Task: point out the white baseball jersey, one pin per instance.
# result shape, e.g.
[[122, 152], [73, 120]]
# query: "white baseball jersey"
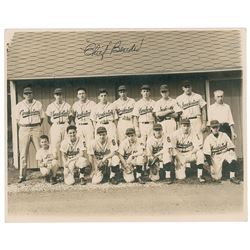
[[126, 148], [29, 113], [190, 104], [104, 112], [185, 142], [155, 145], [100, 150], [72, 149], [143, 109], [45, 155], [221, 113], [163, 105], [125, 108], [82, 111], [217, 145], [59, 113]]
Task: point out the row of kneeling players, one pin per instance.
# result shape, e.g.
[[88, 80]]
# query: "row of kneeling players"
[[175, 156]]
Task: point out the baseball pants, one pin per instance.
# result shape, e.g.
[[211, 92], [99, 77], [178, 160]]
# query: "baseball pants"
[[98, 175], [168, 126], [26, 135], [195, 125], [86, 131], [122, 126], [51, 167], [129, 176], [80, 163], [217, 161], [185, 160], [146, 130]]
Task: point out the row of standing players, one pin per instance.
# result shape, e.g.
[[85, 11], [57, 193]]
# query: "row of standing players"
[[117, 118]]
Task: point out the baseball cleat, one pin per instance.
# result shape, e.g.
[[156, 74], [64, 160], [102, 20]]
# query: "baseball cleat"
[[22, 179], [202, 180], [113, 181], [83, 181], [141, 181], [235, 180], [53, 180], [169, 181]]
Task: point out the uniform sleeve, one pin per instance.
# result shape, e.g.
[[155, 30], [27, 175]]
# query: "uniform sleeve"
[[136, 110], [202, 102], [42, 114], [91, 150], [121, 150], [17, 112], [230, 117], [63, 147], [229, 141], [197, 141], [174, 140], [38, 155], [176, 107], [93, 113], [114, 111], [49, 110], [206, 147], [156, 107]]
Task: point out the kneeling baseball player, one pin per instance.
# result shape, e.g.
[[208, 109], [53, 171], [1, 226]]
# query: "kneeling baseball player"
[[159, 154], [74, 155], [220, 155], [102, 153], [47, 160], [131, 153], [187, 150]]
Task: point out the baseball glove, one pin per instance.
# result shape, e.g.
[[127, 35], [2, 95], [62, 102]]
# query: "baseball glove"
[[128, 169], [153, 165], [102, 166]]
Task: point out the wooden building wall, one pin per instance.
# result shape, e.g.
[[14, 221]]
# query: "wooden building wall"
[[43, 91]]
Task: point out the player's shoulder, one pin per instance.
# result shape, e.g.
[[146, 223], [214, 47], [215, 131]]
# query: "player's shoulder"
[[90, 102], [131, 99], [39, 151], [196, 95], [180, 97], [152, 101]]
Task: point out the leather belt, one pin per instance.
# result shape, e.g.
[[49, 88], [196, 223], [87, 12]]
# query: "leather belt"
[[100, 122], [83, 123], [193, 117], [30, 125], [59, 123], [146, 122]]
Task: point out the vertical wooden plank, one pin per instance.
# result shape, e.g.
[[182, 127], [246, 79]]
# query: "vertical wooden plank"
[[14, 123]]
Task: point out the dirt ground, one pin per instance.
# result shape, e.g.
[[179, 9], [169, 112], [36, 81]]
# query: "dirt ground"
[[35, 200]]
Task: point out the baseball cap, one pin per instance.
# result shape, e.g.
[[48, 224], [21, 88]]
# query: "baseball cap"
[[145, 86], [58, 91], [214, 123], [157, 127], [130, 131], [185, 121], [164, 87], [27, 90], [186, 83], [122, 87], [102, 90], [101, 130]]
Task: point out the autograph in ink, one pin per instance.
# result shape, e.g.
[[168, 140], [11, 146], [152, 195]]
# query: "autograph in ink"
[[102, 50]]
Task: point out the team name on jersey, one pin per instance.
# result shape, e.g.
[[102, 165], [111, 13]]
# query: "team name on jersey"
[[72, 152], [164, 109], [100, 154], [60, 114], [104, 114], [143, 111], [190, 104], [184, 147], [125, 110], [26, 114], [83, 114], [219, 149]]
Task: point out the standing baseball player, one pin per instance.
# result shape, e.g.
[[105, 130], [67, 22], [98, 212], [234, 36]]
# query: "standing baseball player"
[[81, 113], [166, 111], [144, 118], [221, 112], [124, 107], [29, 116], [187, 149], [58, 113], [219, 151], [47, 160], [159, 153], [131, 153], [103, 156], [74, 155], [104, 114], [193, 107]]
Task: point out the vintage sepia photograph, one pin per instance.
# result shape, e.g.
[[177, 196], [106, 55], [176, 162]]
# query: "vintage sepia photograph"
[[125, 125]]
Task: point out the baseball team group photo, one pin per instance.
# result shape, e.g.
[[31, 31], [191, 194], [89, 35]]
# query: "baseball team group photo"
[[113, 118]]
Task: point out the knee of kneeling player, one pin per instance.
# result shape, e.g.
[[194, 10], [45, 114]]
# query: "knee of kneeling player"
[[140, 160], [96, 180], [54, 163], [44, 171], [82, 162], [199, 157], [115, 160]]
